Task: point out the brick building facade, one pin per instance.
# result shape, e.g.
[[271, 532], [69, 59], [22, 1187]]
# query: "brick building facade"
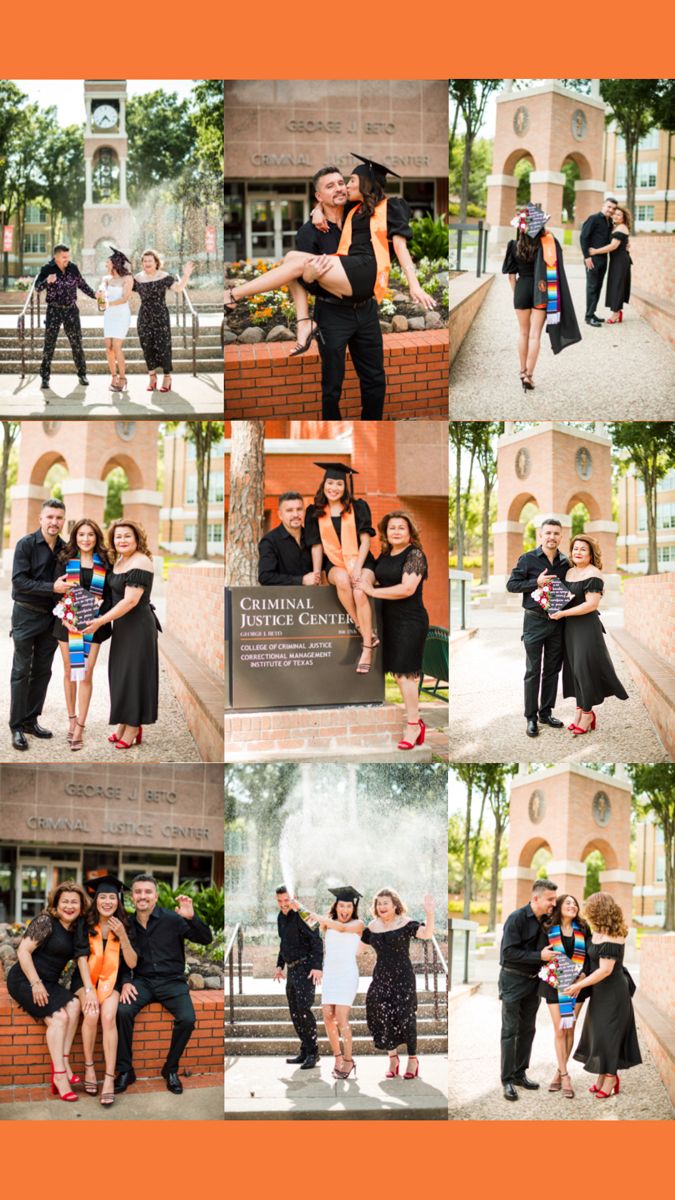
[[178, 514], [632, 539], [650, 872]]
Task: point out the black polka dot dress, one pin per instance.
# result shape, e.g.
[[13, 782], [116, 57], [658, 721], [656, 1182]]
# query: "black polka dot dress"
[[154, 327]]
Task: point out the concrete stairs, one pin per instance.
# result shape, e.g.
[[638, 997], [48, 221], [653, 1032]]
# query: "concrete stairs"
[[209, 352]]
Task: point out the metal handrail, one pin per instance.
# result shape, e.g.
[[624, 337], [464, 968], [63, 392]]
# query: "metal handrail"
[[236, 941], [21, 323], [467, 928], [438, 966], [481, 228], [30, 293], [440, 954], [194, 319]]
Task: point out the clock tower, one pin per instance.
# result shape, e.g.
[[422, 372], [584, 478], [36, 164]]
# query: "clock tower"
[[107, 215]]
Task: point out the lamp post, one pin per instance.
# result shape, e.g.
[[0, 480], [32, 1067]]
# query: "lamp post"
[[5, 255]]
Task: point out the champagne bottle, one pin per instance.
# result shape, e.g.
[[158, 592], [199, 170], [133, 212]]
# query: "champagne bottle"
[[307, 918]]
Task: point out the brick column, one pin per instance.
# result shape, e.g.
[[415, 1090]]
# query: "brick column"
[[619, 884], [84, 498], [547, 190], [516, 888], [143, 505], [26, 504], [501, 206]]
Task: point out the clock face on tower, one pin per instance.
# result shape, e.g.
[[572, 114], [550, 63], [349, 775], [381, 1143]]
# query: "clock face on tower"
[[104, 116]]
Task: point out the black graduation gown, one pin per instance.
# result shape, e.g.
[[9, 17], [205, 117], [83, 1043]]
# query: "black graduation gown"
[[566, 332]]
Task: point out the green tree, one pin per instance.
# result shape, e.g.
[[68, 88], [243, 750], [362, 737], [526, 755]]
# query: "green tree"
[[471, 97], [117, 483], [206, 116], [631, 107], [204, 436], [654, 791], [161, 137], [479, 169], [486, 456], [62, 183], [500, 804], [21, 183], [12, 102], [464, 436], [649, 446], [10, 433], [481, 778]]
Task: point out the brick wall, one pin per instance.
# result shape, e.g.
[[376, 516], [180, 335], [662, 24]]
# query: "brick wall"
[[23, 1053], [195, 612], [466, 297], [649, 612], [262, 381], [657, 971], [653, 256], [284, 733]]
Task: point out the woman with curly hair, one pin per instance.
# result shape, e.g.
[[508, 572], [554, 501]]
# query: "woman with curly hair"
[[133, 665], [618, 275], [86, 563], [400, 572], [608, 1040], [154, 324], [569, 935], [373, 224], [588, 673]]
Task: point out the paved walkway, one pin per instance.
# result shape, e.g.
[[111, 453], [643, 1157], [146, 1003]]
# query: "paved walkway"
[[621, 372], [167, 741], [475, 1091], [202, 1100], [487, 687], [190, 398], [266, 1088]]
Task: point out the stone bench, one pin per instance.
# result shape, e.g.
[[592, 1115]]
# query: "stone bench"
[[659, 1033], [655, 680]]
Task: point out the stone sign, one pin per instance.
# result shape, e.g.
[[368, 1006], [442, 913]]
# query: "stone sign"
[[537, 807]]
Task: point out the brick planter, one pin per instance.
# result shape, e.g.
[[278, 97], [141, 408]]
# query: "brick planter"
[[352, 732], [24, 1060], [262, 381]]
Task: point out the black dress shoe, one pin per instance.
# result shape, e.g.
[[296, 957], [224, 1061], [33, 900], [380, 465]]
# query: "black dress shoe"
[[44, 383], [552, 721], [311, 1061], [83, 380], [38, 731], [173, 1083], [124, 1080], [595, 322], [299, 1058], [523, 1082], [18, 740], [510, 1092], [532, 728]]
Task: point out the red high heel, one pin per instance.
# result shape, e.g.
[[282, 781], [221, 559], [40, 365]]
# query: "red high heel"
[[413, 1074], [615, 320], [71, 1078], [68, 1096], [602, 1095], [114, 738], [392, 1074], [120, 744], [152, 386], [576, 729], [419, 740]]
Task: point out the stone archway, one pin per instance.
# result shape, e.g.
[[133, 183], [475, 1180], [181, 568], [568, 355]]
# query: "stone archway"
[[571, 810], [551, 124]]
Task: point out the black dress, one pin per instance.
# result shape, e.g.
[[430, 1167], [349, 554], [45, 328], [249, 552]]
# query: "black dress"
[[154, 326], [362, 518], [391, 999], [86, 576], [548, 993], [608, 1041], [618, 276], [359, 264], [588, 673], [56, 947], [133, 666], [405, 622], [523, 295]]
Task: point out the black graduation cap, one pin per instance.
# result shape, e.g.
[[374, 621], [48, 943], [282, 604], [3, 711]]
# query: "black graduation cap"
[[375, 171], [336, 470], [105, 883], [349, 894]]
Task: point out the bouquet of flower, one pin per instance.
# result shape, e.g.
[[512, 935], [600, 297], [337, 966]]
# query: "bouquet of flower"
[[560, 973], [553, 596], [77, 608]]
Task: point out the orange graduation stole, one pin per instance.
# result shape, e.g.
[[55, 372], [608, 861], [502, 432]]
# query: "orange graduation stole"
[[342, 551], [380, 241], [103, 965]]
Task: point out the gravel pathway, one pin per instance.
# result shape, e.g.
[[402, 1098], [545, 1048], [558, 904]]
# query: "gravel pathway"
[[475, 1092], [628, 369], [488, 724]]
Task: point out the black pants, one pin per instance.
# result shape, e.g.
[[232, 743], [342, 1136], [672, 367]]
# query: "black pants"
[[34, 649], [594, 281], [543, 641], [520, 1001], [358, 329], [300, 996], [70, 319], [173, 995]]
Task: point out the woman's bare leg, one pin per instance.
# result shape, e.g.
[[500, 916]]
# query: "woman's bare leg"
[[332, 1031], [345, 1030], [334, 280], [110, 355], [561, 1051], [109, 1031], [411, 701], [85, 689], [69, 688], [118, 351], [537, 322], [365, 616], [523, 317], [338, 577]]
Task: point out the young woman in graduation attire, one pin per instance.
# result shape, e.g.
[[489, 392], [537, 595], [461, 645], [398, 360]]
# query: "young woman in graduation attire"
[[338, 530], [373, 223], [541, 296]]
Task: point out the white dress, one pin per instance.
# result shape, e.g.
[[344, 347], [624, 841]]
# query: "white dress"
[[340, 970], [116, 321]]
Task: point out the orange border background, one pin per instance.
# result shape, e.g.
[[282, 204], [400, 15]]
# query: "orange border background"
[[247, 1161]]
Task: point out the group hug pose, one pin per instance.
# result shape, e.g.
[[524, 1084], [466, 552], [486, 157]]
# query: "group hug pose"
[[571, 637], [62, 278], [548, 952], [122, 963], [115, 576], [391, 999], [343, 259], [541, 295], [333, 540]]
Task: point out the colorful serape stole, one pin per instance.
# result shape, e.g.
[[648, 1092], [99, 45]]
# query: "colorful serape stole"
[[552, 281], [80, 643], [567, 969], [380, 243]]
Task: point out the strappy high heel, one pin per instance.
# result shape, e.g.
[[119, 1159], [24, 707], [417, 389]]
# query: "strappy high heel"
[[345, 1074], [303, 347], [90, 1085], [556, 1083], [229, 301], [116, 384], [74, 1078], [107, 1098], [77, 743], [390, 1073], [166, 387], [615, 320], [419, 740], [70, 734], [120, 744], [567, 1090], [577, 730], [67, 1096], [412, 1074], [528, 382], [152, 384], [600, 1094], [361, 667]]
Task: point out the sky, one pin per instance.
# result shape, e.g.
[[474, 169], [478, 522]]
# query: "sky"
[[68, 94]]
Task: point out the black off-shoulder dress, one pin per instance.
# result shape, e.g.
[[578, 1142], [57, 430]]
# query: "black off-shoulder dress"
[[405, 622], [359, 264], [609, 1041], [391, 999], [588, 673], [133, 665], [523, 295], [56, 946], [154, 325], [362, 518], [618, 275]]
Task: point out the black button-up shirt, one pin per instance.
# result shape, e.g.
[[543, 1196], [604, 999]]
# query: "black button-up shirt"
[[595, 231], [33, 571], [522, 942], [281, 560], [160, 945], [298, 941], [527, 570], [64, 291], [313, 241]]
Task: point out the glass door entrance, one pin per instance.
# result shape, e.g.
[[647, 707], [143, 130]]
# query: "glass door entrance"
[[272, 223], [35, 881]]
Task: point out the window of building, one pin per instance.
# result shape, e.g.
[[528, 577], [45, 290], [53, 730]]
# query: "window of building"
[[216, 487], [195, 868], [163, 866], [35, 215], [235, 841], [7, 871], [189, 533], [217, 450], [664, 554], [665, 517], [620, 179], [234, 878], [660, 874], [667, 484], [216, 533], [646, 174], [645, 212], [233, 222], [35, 243], [191, 489], [659, 831]]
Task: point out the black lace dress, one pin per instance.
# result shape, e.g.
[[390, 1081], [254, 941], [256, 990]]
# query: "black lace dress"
[[405, 622], [362, 519], [523, 268], [609, 1041], [154, 326], [391, 999], [133, 665], [618, 275], [56, 946], [588, 673]]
